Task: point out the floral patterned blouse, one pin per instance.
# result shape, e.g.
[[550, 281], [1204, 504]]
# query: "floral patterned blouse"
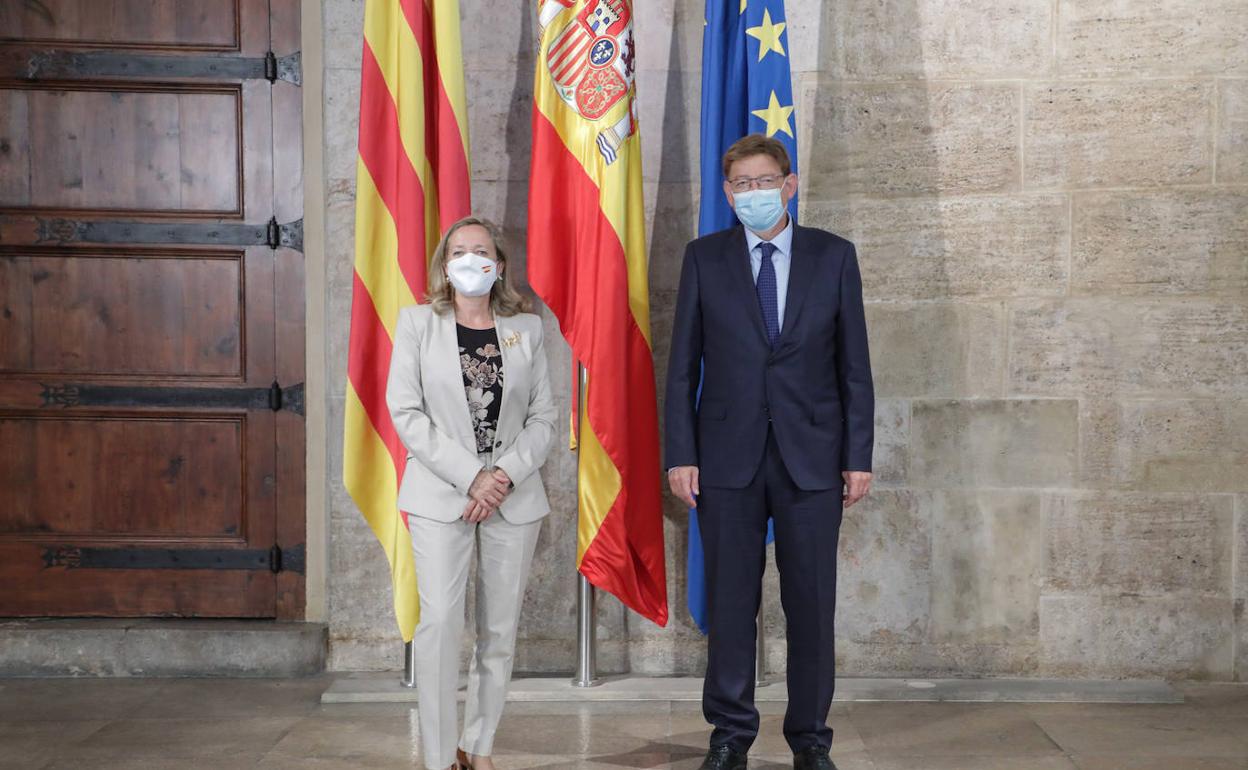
[[482, 365]]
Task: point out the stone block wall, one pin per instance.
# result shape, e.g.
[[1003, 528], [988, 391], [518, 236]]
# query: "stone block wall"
[[1050, 203]]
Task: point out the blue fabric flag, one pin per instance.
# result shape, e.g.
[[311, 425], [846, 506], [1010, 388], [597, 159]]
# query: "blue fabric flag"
[[746, 88]]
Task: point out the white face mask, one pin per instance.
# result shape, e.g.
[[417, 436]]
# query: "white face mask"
[[472, 275]]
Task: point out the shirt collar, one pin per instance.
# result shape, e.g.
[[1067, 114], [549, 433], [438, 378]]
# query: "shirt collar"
[[783, 242]]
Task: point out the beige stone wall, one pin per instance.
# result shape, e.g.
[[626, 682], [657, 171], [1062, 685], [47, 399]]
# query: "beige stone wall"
[[1050, 202]]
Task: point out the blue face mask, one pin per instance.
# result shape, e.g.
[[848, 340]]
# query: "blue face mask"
[[759, 210]]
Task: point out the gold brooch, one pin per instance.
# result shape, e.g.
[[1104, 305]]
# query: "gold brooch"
[[513, 339]]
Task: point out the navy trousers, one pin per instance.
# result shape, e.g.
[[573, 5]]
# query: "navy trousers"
[[733, 524]]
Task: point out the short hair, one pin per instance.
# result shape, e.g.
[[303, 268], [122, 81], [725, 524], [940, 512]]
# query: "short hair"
[[756, 144]]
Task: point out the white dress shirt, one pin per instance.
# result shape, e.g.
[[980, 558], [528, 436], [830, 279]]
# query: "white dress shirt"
[[781, 259]]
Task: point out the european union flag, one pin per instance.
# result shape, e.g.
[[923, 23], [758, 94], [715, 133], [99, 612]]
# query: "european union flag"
[[746, 88]]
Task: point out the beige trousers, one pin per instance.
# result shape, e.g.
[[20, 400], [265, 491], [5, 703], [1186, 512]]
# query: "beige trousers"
[[443, 555]]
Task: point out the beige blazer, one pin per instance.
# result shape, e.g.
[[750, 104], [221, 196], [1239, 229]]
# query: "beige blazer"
[[425, 394]]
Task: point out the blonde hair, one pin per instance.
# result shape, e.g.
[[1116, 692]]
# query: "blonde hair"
[[504, 299]]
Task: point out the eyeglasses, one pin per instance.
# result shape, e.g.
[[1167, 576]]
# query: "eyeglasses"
[[746, 183]]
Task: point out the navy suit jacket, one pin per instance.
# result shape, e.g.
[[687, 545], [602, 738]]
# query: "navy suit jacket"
[[814, 388]]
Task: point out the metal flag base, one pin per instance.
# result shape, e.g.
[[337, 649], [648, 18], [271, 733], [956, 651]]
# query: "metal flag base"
[[409, 666]]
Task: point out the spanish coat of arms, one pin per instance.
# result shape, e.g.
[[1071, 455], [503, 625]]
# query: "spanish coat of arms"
[[591, 61]]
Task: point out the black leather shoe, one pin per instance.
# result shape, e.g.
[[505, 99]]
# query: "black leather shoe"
[[723, 758], [814, 758]]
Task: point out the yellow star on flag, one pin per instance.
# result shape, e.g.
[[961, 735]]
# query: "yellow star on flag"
[[768, 36], [777, 117], [743, 2]]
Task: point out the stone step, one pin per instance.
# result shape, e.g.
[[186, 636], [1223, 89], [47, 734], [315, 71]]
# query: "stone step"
[[386, 687], [161, 647]]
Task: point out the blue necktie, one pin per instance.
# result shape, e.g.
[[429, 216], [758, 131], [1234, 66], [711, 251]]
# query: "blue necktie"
[[766, 288]]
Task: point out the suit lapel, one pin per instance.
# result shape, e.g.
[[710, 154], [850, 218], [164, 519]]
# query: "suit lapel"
[[801, 270], [446, 339], [502, 327], [742, 276]]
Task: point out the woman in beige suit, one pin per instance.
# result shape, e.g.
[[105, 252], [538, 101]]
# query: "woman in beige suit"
[[470, 397]]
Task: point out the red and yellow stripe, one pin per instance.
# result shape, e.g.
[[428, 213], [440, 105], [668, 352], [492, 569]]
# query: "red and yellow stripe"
[[587, 261], [411, 182]]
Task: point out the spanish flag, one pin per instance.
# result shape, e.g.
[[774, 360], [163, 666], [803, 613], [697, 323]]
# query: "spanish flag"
[[411, 182], [587, 261]]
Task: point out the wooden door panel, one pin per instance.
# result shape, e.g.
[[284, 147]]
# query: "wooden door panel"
[[123, 313], [108, 513], [80, 591], [124, 24], [151, 310], [15, 147], [124, 477], [155, 149]]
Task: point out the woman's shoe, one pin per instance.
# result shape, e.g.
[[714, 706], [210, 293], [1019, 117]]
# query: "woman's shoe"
[[461, 760]]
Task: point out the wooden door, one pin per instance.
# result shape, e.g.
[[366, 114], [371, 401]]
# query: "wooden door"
[[151, 309]]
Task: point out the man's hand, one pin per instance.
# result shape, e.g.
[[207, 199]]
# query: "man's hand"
[[487, 490], [683, 479], [857, 485]]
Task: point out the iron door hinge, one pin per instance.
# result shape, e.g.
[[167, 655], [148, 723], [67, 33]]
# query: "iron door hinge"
[[272, 233], [275, 559], [287, 560], [69, 394], [76, 65]]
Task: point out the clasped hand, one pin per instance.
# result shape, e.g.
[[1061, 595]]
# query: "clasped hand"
[[488, 491]]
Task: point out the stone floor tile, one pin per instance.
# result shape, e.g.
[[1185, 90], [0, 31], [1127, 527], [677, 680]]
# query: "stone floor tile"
[[66, 700], [948, 729], [584, 735], [242, 762], [1147, 731], [855, 760], [280, 724], [322, 763], [598, 708], [217, 698], [203, 740], [364, 741], [32, 744], [1054, 762], [544, 761], [1119, 762], [361, 710], [1222, 700]]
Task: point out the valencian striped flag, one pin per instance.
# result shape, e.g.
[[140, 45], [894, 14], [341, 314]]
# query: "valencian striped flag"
[[587, 261], [746, 88], [411, 182]]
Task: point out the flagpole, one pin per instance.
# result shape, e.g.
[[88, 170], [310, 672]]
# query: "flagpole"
[[586, 632]]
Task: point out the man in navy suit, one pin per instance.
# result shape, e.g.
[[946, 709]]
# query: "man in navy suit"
[[769, 320]]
